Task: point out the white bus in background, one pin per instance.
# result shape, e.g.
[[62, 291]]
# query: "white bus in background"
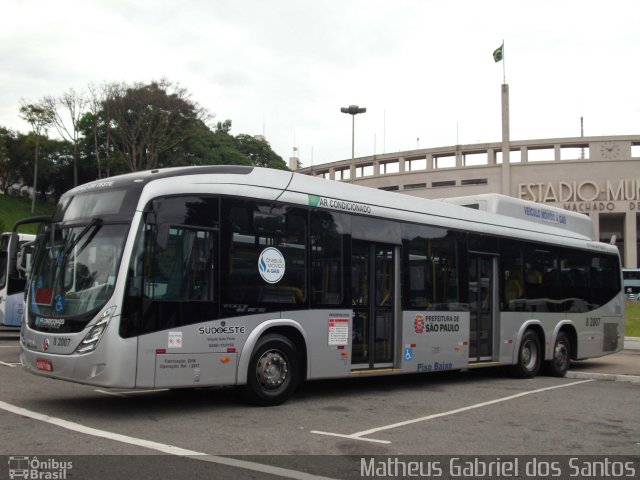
[[227, 275], [13, 277], [631, 283]]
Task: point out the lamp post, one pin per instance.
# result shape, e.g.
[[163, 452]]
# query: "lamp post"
[[353, 110]]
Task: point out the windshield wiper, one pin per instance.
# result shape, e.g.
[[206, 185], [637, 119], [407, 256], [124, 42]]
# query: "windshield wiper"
[[61, 259], [96, 222]]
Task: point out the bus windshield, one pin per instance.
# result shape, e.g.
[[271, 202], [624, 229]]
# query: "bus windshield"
[[78, 256], [76, 268]]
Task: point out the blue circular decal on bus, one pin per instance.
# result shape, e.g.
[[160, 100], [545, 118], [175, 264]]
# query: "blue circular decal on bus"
[[271, 265]]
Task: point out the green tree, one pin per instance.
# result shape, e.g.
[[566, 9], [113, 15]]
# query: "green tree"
[[8, 170], [205, 147], [219, 147], [55, 162], [223, 127], [98, 131], [40, 117], [156, 125], [145, 121], [67, 111], [259, 152]]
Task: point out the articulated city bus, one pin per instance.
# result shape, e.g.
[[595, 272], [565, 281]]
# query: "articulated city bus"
[[226, 275], [14, 265]]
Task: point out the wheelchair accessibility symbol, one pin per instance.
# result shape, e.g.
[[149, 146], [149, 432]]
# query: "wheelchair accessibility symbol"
[[408, 354], [59, 303]]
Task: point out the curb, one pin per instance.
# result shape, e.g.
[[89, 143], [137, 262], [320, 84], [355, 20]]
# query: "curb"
[[605, 376]]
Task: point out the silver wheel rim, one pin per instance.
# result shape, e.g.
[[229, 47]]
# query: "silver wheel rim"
[[529, 355], [272, 369]]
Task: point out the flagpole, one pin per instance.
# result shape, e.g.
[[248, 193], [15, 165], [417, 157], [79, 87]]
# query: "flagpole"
[[504, 68]]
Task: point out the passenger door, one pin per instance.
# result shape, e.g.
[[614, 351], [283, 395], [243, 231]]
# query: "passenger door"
[[373, 298], [482, 302]]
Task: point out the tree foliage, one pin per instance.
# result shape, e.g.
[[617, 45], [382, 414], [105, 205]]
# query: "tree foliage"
[[40, 116], [66, 112], [259, 152], [117, 128], [147, 120]]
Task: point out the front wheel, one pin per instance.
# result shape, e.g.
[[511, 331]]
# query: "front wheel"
[[529, 356], [559, 364], [274, 371]]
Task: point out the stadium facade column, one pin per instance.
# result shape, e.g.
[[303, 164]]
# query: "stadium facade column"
[[630, 239]]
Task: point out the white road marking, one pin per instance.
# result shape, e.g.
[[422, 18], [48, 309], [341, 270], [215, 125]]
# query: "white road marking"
[[352, 436], [13, 365], [160, 447], [360, 435]]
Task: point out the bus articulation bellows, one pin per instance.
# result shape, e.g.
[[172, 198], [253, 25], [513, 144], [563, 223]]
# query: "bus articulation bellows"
[[226, 275]]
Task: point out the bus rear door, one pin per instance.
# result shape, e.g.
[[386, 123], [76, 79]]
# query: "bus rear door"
[[373, 286]]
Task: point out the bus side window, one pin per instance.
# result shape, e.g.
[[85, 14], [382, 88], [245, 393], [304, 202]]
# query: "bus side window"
[[431, 268], [249, 228], [329, 237]]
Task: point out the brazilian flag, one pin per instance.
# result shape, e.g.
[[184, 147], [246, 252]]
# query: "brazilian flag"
[[498, 53]]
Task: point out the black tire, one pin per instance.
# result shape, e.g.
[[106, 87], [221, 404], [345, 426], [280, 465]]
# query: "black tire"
[[274, 371], [561, 361], [529, 356]]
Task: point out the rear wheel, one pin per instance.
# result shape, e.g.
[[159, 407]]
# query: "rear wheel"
[[529, 356], [559, 364], [274, 372]]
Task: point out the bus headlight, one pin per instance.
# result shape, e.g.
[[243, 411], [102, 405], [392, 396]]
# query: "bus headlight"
[[92, 338]]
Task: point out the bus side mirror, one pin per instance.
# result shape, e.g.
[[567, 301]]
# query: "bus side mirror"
[[16, 280], [12, 255], [12, 248], [24, 259]]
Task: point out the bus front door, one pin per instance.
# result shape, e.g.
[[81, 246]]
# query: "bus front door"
[[372, 287], [482, 303]]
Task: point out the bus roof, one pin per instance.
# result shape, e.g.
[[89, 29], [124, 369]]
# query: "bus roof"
[[441, 213], [527, 210], [286, 186]]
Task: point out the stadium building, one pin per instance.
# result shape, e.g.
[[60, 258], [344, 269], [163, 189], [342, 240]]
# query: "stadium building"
[[596, 176]]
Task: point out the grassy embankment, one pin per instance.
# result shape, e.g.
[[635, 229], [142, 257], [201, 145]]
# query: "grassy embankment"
[[13, 209], [632, 319]]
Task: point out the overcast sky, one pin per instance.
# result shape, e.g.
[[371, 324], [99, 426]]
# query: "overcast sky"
[[423, 69]]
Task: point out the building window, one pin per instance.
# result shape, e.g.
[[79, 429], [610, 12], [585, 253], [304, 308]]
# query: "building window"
[[445, 161], [515, 156], [472, 159], [364, 171], [474, 181], [343, 174], [541, 154], [413, 186], [417, 164], [389, 167], [446, 183]]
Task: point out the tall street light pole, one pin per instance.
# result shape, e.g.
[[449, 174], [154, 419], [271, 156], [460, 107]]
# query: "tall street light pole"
[[353, 110]]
